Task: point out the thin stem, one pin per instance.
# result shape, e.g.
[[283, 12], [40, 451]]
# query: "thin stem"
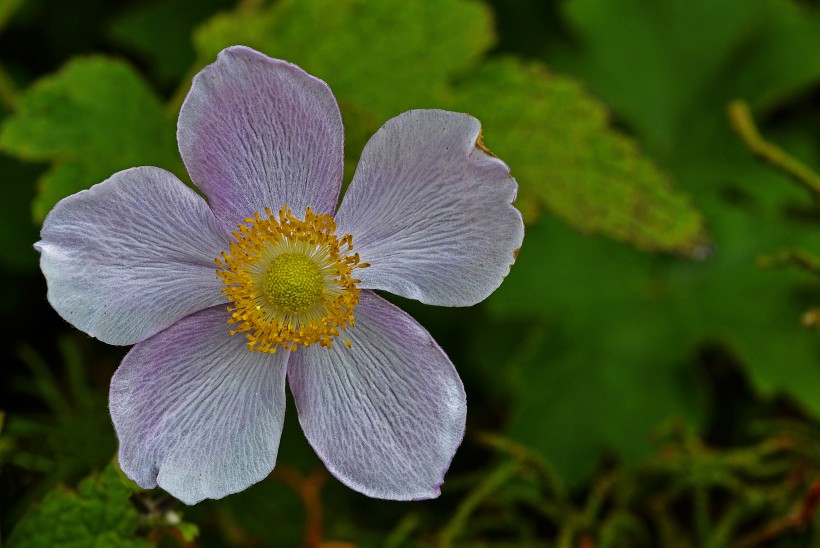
[[703, 526], [402, 530], [797, 519], [741, 119], [308, 488], [526, 456], [792, 257], [483, 490]]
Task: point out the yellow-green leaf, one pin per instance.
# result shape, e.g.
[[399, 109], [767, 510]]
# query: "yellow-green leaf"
[[566, 157], [94, 117], [99, 513]]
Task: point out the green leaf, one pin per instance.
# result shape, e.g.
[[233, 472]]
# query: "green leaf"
[[389, 56], [623, 330], [99, 513], [609, 363], [776, 67], [669, 84], [93, 118], [7, 10], [672, 91], [561, 149], [754, 312]]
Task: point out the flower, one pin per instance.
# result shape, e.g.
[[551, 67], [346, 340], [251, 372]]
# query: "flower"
[[226, 299]]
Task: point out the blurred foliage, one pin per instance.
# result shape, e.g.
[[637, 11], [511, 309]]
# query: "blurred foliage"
[[98, 514], [159, 33], [93, 118], [648, 373]]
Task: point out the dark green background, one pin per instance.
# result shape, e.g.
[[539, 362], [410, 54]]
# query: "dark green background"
[[639, 379]]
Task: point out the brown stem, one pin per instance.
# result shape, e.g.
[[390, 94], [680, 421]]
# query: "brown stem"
[[741, 119], [308, 488], [796, 520]]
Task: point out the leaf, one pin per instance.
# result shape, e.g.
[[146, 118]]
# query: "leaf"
[[623, 330], [93, 118], [99, 513], [557, 140], [610, 311], [7, 10], [671, 86], [776, 67], [609, 363], [388, 56], [76, 435], [755, 312]]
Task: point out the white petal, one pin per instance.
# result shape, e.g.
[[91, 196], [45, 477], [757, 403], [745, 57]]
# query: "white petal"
[[431, 212], [131, 256], [257, 132], [387, 415], [197, 413]]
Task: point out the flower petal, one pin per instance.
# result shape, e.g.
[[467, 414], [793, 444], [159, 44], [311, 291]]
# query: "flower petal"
[[197, 413], [132, 255], [430, 211], [387, 415], [257, 132]]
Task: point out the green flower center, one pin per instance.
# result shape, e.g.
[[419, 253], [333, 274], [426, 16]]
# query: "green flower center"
[[293, 283]]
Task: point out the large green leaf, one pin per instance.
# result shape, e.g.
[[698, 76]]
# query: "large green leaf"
[[390, 56], [755, 312], [91, 119], [778, 60], [669, 66], [99, 513], [623, 330], [566, 157], [396, 55], [609, 364]]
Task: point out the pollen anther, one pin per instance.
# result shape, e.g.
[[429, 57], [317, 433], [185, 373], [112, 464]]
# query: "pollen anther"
[[289, 281]]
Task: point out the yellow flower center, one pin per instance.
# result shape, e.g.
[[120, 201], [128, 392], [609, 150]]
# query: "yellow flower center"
[[293, 282], [289, 281]]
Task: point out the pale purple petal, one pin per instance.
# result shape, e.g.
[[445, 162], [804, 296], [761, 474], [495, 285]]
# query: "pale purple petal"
[[197, 413], [257, 132], [387, 415], [132, 255], [431, 212]]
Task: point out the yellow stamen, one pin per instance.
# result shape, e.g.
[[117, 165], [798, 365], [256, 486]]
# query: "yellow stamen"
[[289, 281]]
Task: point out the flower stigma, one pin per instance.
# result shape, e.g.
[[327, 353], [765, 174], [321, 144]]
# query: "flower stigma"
[[289, 281], [293, 282]]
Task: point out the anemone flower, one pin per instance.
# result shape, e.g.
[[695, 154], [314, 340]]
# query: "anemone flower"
[[227, 298]]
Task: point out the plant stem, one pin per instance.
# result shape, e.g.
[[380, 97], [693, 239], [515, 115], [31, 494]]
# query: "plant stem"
[[741, 119]]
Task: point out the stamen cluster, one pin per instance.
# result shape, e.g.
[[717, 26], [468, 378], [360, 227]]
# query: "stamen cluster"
[[270, 324]]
